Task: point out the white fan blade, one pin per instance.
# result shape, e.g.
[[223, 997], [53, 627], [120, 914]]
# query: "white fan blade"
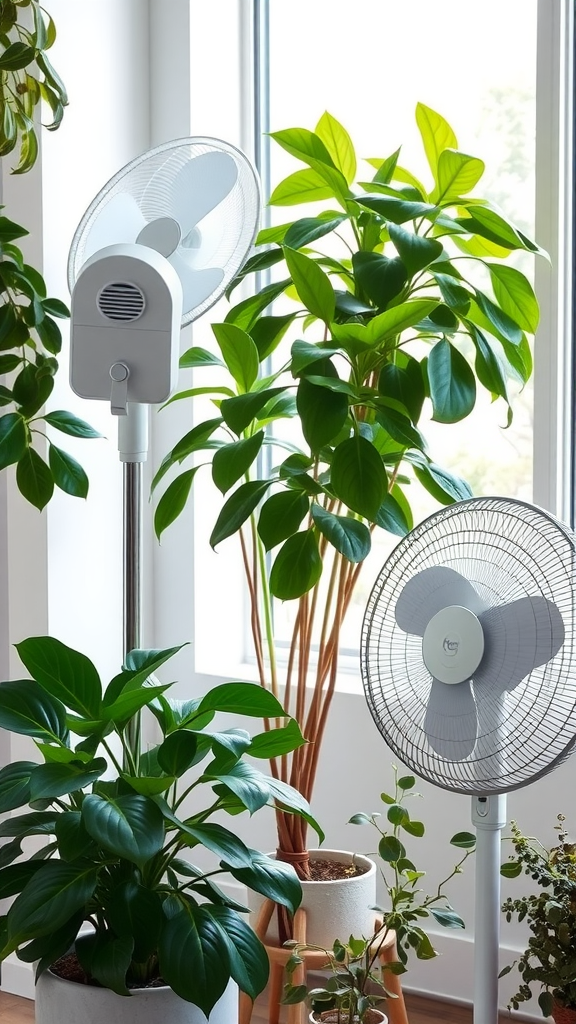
[[518, 637], [197, 285], [428, 592], [200, 186], [119, 220], [451, 724]]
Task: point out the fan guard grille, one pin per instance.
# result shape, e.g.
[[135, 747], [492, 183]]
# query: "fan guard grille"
[[508, 550]]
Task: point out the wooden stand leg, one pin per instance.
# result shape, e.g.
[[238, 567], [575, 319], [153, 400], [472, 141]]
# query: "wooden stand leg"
[[395, 1008]]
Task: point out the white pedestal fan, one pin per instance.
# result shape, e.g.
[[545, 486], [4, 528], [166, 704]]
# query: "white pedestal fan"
[[155, 249], [469, 669]]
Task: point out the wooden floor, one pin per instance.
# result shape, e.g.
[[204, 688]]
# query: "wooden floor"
[[14, 1010]]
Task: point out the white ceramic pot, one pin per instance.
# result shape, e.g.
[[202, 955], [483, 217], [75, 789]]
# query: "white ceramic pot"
[[336, 909], [66, 1002]]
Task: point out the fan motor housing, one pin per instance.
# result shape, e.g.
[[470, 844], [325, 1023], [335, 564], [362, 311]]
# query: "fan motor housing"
[[127, 309]]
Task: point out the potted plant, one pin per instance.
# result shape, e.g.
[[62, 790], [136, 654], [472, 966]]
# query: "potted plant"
[[387, 320], [550, 912], [30, 339], [119, 842], [357, 982]]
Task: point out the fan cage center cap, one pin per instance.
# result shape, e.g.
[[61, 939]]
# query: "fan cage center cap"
[[453, 644]]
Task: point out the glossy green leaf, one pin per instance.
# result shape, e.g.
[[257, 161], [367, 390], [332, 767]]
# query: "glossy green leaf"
[[488, 366], [268, 331], [350, 537], [177, 753], [312, 284], [297, 566], [275, 742], [64, 673], [233, 460], [73, 839], [173, 501], [106, 957], [453, 293], [391, 849], [397, 211], [237, 509], [50, 898], [404, 384], [393, 321], [464, 840], [447, 917], [12, 439], [515, 295], [339, 145], [239, 412], [305, 186], [129, 826], [452, 383], [190, 937], [416, 251], [52, 780], [67, 423], [511, 869], [456, 175], [246, 313], [136, 911], [239, 352], [500, 320], [194, 439], [322, 412], [436, 134], [358, 476], [129, 702], [281, 516], [67, 473], [50, 947], [309, 229], [445, 487], [15, 784], [391, 517], [36, 823], [15, 877], [248, 699], [195, 356], [27, 709], [34, 479], [481, 220], [380, 277], [16, 56], [399, 428]]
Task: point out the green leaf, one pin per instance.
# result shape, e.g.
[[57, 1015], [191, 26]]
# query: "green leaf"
[[16, 56], [239, 352], [249, 966], [34, 479], [70, 424], [358, 476], [391, 517], [397, 815], [414, 828], [391, 849], [15, 784], [399, 428], [504, 325], [267, 333], [220, 841], [511, 869], [416, 251], [191, 937], [52, 780], [192, 441], [245, 313], [452, 383], [237, 509], [488, 366], [546, 1003], [68, 474], [393, 321], [73, 839], [196, 356], [280, 516], [9, 230], [178, 752], [271, 878], [14, 878], [106, 957], [312, 284], [350, 537], [488, 224], [239, 412], [456, 175], [275, 742], [297, 566], [322, 412], [233, 460], [136, 912], [64, 673], [13, 439], [436, 133], [248, 699], [380, 277], [305, 186], [515, 295], [25, 708], [51, 897], [404, 384], [454, 295], [442, 485], [406, 782], [309, 229], [173, 501], [129, 826], [339, 145], [447, 918], [129, 702], [464, 840], [37, 823]]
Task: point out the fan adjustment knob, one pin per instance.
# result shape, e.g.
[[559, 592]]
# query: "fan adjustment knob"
[[119, 374], [453, 644]]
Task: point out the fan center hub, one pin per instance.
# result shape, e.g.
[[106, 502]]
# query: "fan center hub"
[[453, 644]]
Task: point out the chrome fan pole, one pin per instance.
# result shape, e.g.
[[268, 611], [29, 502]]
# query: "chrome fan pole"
[[489, 818]]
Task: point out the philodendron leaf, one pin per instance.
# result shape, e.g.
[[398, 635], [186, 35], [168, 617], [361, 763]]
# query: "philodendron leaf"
[[307, 230], [436, 133], [452, 383], [297, 566], [312, 284], [305, 186], [233, 460], [391, 517], [442, 485], [52, 780], [106, 957], [16, 876], [239, 412], [358, 476], [12, 439], [73, 839], [350, 537], [136, 912], [64, 673], [50, 898], [177, 753], [380, 277], [271, 878], [220, 841], [322, 412], [70, 424], [457, 174], [67, 473], [15, 784], [339, 145], [34, 479], [281, 516], [239, 352], [237, 509], [248, 699], [415, 251], [515, 295], [27, 709], [247, 956], [173, 501], [129, 826], [191, 937], [275, 742]]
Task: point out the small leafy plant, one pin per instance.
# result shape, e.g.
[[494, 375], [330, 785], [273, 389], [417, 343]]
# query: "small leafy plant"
[[356, 984], [550, 958], [118, 832]]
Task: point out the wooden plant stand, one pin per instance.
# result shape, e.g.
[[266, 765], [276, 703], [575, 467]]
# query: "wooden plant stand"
[[312, 960]]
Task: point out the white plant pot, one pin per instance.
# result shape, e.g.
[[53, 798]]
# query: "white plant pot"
[[59, 1001], [335, 909]]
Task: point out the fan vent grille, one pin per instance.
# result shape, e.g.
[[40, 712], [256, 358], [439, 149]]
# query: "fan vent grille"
[[121, 300]]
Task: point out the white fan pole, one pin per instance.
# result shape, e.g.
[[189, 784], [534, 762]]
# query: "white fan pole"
[[489, 818]]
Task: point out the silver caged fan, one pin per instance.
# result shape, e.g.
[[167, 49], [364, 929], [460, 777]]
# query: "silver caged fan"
[[155, 249], [469, 670]]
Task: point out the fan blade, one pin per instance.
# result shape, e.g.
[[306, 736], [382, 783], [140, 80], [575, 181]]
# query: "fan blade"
[[450, 723], [200, 186], [518, 638], [428, 592], [119, 220], [197, 285]]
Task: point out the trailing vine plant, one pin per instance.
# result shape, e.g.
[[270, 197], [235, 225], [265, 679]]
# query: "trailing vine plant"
[[30, 338]]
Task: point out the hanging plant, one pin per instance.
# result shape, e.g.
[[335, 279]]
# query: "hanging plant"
[[30, 338]]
